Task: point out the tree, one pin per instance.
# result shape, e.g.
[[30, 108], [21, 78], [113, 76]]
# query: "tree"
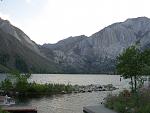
[[6, 85], [21, 83], [132, 64]]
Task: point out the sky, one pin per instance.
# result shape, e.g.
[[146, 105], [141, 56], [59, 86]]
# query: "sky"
[[48, 21]]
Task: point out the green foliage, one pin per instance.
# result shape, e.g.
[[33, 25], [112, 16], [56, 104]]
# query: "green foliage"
[[118, 106], [48, 88], [6, 85], [1, 111], [116, 103], [144, 109], [133, 63], [21, 84], [145, 57], [23, 87], [130, 62], [125, 102]]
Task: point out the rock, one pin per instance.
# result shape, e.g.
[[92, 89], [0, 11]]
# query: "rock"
[[97, 53]]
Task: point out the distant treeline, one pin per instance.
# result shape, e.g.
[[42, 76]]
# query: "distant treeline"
[[16, 62]]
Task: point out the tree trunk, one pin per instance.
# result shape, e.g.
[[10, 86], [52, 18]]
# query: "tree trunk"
[[135, 84], [132, 84]]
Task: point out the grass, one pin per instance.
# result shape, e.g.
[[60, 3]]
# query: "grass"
[[22, 87], [127, 102], [34, 88], [1, 111]]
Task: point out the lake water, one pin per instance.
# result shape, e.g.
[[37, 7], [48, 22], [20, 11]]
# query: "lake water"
[[72, 103], [80, 79]]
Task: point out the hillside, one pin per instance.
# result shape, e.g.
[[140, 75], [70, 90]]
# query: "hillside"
[[97, 53], [17, 51], [80, 54]]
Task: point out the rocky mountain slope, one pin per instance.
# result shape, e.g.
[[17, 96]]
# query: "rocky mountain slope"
[[80, 54], [17, 51], [97, 53]]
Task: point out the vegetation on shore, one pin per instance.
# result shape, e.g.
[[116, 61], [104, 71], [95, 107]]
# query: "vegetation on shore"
[[2, 111], [21, 86], [133, 64], [127, 102]]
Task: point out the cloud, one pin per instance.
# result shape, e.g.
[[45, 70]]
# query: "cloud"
[[63, 18], [4, 16], [28, 1]]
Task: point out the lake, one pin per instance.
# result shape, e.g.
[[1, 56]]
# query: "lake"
[[72, 103], [80, 79]]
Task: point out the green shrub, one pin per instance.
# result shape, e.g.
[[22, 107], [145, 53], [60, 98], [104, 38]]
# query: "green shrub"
[[6, 85], [144, 109], [120, 107], [127, 102], [1, 111], [23, 87]]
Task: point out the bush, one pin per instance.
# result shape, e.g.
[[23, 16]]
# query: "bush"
[[6, 85], [23, 87], [144, 109], [127, 102], [48, 88], [1, 111], [120, 107]]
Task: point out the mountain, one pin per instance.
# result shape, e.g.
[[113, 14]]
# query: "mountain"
[[17, 51], [97, 53], [80, 54]]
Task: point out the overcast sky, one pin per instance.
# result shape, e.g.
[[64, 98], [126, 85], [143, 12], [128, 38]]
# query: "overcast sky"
[[48, 21]]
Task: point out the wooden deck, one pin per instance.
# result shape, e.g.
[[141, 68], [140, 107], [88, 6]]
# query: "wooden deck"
[[20, 109], [97, 109]]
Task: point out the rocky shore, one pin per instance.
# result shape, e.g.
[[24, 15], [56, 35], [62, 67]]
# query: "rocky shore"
[[92, 87]]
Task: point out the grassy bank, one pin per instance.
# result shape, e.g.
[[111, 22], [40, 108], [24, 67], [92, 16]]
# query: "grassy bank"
[[127, 102], [47, 89], [25, 88], [1, 111], [21, 86]]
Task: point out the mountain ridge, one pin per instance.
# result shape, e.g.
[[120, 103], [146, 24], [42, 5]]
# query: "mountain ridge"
[[97, 53], [80, 54], [22, 53]]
